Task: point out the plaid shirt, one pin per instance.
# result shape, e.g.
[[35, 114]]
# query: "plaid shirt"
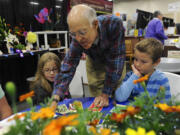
[[109, 50]]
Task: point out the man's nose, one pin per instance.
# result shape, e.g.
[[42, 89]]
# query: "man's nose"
[[78, 38]]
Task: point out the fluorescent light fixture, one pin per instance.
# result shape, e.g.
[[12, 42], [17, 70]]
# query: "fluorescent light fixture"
[[58, 6], [60, 0], [34, 3], [110, 0]]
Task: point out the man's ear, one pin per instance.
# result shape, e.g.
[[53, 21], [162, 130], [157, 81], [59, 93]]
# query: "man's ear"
[[157, 62], [95, 24]]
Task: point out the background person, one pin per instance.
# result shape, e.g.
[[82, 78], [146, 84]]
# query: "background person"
[[147, 54], [102, 39], [5, 109], [155, 28]]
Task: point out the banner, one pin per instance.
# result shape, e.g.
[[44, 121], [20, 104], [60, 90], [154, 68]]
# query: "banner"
[[98, 5]]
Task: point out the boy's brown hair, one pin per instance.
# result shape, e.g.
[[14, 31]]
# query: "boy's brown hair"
[[151, 46]]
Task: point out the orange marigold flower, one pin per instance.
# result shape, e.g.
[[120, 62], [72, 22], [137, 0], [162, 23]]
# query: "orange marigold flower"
[[115, 133], [177, 108], [55, 126], [17, 116], [94, 122], [168, 109], [144, 78], [132, 110], [163, 107], [42, 113], [23, 97], [118, 117], [93, 130], [105, 131]]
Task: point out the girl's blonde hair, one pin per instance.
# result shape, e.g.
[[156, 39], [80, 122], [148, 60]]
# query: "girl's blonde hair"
[[39, 76]]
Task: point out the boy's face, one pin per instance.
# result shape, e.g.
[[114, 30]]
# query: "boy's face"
[[143, 62]]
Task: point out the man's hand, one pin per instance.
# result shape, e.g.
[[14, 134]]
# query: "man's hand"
[[102, 100], [54, 102]]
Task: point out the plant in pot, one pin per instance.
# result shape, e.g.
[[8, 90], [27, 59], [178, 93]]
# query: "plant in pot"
[[4, 30]]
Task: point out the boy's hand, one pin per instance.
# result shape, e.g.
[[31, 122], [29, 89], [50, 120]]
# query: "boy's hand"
[[135, 71]]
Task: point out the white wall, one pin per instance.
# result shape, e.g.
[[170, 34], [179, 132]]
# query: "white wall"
[[129, 7]]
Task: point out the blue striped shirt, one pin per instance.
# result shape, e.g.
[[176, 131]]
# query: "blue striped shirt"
[[128, 88]]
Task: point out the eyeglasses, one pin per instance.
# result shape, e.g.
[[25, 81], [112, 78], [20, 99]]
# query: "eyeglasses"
[[54, 70], [80, 33]]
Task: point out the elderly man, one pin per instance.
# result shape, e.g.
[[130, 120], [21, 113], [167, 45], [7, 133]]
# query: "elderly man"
[[102, 39], [155, 27]]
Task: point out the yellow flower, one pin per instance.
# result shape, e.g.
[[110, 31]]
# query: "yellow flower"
[[31, 37], [42, 114], [151, 133], [176, 40], [140, 131], [105, 131], [130, 131], [93, 130], [115, 133]]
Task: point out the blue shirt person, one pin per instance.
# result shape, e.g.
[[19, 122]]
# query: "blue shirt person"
[[155, 28]]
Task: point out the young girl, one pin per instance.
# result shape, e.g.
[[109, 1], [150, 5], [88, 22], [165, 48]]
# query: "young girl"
[[48, 67]]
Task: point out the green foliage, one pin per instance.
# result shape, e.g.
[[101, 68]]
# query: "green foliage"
[[27, 126], [4, 30], [148, 117], [20, 46]]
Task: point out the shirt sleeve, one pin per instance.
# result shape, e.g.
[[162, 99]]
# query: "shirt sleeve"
[[165, 83], [160, 30], [67, 71], [125, 89], [115, 57]]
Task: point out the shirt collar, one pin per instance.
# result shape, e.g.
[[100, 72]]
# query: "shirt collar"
[[96, 40]]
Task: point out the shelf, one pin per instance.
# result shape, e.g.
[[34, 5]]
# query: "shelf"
[[46, 33]]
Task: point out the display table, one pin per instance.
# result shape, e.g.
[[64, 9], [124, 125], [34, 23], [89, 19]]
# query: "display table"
[[87, 101], [169, 65]]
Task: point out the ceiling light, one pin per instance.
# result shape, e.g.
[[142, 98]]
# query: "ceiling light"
[[58, 6], [34, 3]]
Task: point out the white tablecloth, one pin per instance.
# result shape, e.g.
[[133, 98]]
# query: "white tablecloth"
[[169, 65]]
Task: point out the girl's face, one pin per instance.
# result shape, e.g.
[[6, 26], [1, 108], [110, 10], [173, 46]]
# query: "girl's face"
[[50, 70], [143, 62]]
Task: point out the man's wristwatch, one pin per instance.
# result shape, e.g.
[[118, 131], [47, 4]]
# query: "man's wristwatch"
[[55, 100]]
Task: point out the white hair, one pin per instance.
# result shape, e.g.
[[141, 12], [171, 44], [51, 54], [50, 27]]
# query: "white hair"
[[89, 13]]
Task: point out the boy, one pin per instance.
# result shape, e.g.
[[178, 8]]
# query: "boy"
[[147, 54]]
